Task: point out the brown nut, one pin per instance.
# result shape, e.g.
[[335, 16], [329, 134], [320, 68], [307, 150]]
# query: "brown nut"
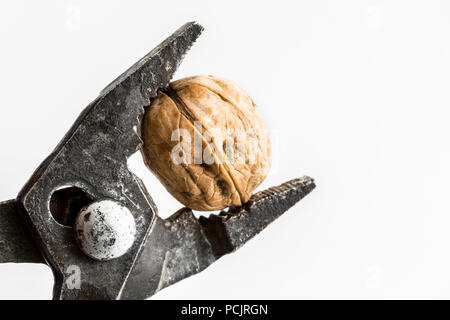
[[205, 141]]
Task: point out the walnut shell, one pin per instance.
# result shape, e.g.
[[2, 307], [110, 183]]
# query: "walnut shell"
[[205, 141]]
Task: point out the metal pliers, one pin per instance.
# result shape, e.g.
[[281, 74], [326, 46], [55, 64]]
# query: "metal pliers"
[[90, 163]]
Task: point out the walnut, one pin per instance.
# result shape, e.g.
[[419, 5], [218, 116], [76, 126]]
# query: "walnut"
[[205, 141]]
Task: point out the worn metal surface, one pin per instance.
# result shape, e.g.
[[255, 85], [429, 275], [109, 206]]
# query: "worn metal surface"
[[93, 157], [182, 246], [16, 244], [90, 164]]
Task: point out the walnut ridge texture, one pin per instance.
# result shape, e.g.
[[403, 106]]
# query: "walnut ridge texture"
[[205, 141]]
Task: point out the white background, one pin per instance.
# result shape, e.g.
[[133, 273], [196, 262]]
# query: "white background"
[[355, 94]]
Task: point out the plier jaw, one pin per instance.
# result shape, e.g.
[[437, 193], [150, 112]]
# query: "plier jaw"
[[90, 164]]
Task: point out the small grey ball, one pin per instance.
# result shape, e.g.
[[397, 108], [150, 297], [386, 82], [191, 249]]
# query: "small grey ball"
[[105, 230]]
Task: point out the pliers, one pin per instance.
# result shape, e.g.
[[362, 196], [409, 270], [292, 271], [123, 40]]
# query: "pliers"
[[90, 164]]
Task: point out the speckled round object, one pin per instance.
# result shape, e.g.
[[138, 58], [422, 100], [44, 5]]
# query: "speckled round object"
[[105, 230]]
